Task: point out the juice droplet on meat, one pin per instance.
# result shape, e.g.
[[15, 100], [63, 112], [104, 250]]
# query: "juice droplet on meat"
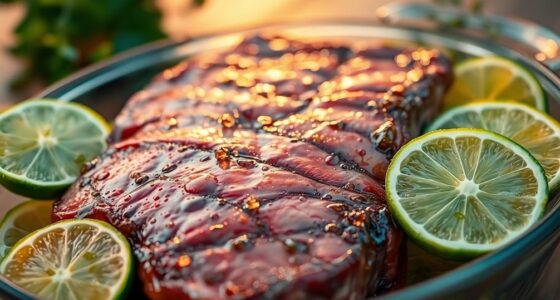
[[243, 219], [332, 160], [241, 243], [216, 227], [172, 122], [222, 156], [203, 185], [184, 261], [247, 164], [141, 179], [168, 168], [117, 192], [227, 120], [307, 80], [102, 176], [252, 203], [326, 197], [338, 207], [294, 246], [278, 44], [383, 138], [331, 227], [264, 120], [349, 186], [359, 198], [358, 218]]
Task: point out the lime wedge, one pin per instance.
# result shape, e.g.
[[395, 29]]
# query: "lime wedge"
[[460, 193], [534, 130], [491, 78], [44, 143], [21, 220], [73, 259]]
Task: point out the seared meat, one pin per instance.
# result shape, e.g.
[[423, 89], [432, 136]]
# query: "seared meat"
[[258, 172]]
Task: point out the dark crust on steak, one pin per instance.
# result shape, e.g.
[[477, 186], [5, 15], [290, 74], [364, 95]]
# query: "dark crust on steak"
[[258, 172]]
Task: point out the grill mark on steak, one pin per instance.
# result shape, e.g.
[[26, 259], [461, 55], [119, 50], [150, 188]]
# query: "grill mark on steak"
[[208, 154], [278, 151], [252, 80], [258, 172]]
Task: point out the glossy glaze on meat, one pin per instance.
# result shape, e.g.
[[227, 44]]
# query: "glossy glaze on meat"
[[258, 172]]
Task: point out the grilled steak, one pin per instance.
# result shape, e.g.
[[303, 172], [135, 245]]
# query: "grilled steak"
[[258, 172]]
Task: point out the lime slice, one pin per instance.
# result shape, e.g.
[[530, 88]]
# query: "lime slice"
[[24, 218], [73, 259], [489, 79], [532, 129], [44, 143], [460, 193]]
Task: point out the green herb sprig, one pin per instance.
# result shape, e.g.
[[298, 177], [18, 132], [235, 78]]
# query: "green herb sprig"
[[57, 37]]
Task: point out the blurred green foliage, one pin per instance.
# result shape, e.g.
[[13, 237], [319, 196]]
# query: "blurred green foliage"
[[56, 37], [472, 6], [475, 7]]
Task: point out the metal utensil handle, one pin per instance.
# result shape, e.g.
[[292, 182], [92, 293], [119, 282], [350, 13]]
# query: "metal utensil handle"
[[543, 40]]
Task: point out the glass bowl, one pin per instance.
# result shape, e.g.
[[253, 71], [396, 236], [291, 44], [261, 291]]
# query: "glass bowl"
[[512, 272]]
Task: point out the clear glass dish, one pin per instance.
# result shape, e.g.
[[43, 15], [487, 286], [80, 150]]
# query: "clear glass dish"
[[511, 272]]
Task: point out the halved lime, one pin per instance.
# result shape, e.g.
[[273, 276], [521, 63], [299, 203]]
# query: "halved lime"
[[21, 220], [463, 192], [488, 79], [44, 143], [532, 129], [73, 259]]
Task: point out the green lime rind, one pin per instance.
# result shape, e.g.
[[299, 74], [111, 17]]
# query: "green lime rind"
[[33, 190], [539, 96], [9, 221], [457, 114], [122, 285], [44, 142], [451, 249]]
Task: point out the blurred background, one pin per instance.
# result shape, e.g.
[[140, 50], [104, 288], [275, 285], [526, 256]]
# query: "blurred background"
[[42, 41]]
